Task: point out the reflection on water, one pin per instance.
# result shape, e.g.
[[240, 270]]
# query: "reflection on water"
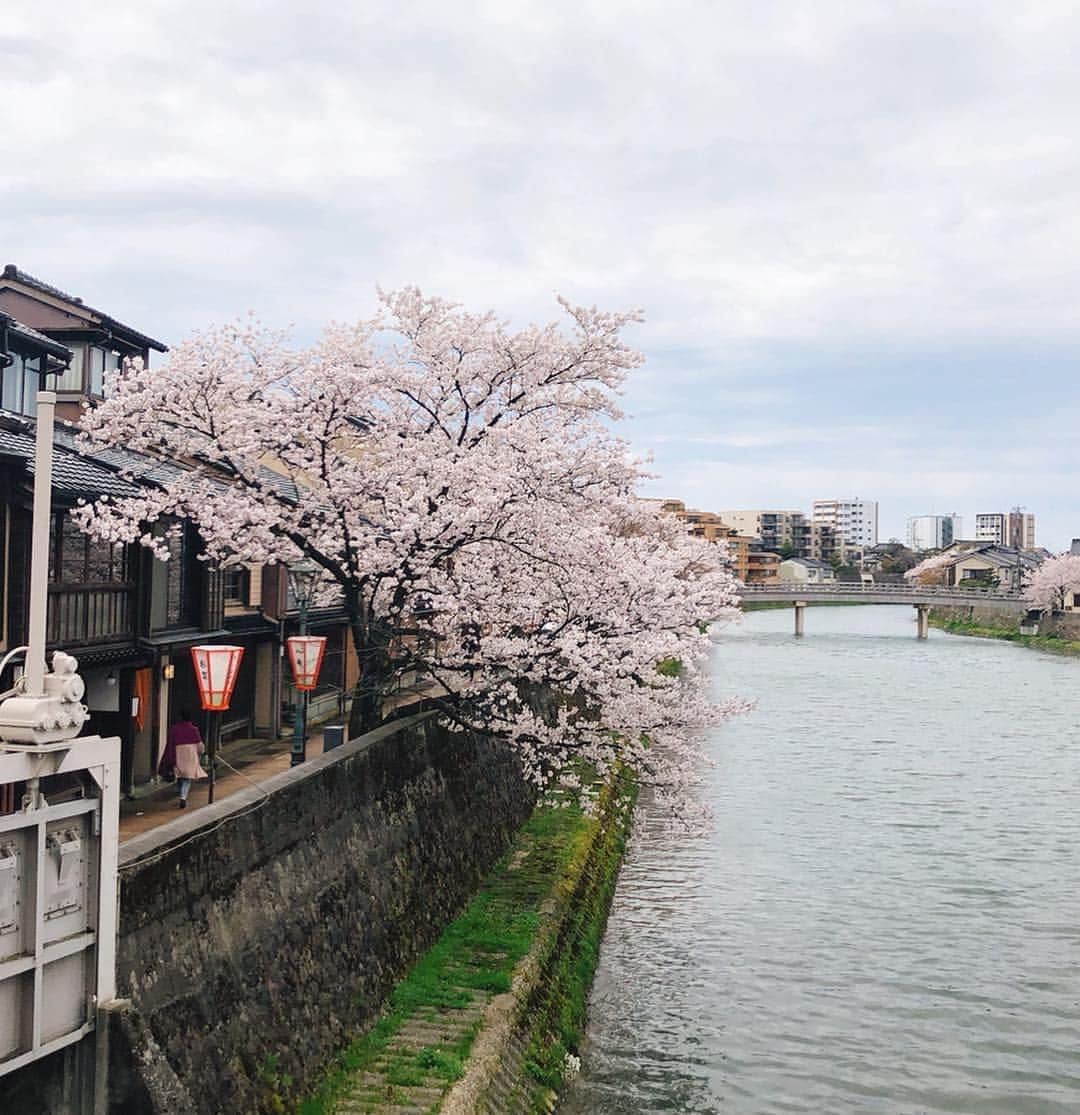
[[885, 914]]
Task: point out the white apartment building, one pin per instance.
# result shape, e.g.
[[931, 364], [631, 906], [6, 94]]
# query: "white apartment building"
[[933, 532], [1015, 528], [854, 520], [992, 527]]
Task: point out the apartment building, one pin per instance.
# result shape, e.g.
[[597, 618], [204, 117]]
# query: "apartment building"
[[749, 561], [1015, 528], [933, 532], [854, 520], [776, 529]]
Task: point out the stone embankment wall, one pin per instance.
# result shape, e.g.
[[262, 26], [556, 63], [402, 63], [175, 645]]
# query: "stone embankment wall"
[[1064, 625], [257, 934], [1006, 617]]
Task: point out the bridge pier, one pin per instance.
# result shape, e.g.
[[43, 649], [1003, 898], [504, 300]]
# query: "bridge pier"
[[800, 610], [923, 611]]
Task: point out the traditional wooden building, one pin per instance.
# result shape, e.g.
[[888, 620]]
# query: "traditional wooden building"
[[129, 618]]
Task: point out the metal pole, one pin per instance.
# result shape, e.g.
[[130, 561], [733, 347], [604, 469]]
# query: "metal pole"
[[299, 743], [39, 546], [213, 727]]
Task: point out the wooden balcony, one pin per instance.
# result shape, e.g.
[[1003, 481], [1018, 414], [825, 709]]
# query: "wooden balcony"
[[83, 614]]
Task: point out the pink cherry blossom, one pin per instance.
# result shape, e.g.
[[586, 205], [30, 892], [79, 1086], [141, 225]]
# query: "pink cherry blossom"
[[462, 491], [931, 570], [1057, 578]]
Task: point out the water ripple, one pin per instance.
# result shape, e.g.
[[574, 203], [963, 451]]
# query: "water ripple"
[[886, 914]]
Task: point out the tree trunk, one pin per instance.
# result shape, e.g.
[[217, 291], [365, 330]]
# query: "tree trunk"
[[371, 641]]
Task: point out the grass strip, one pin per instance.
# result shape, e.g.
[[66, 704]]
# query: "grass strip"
[[476, 955], [1050, 643], [556, 1013]]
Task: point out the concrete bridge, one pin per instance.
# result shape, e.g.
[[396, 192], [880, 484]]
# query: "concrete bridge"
[[921, 597]]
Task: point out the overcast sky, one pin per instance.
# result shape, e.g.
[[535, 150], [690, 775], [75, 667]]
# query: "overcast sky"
[[854, 228]]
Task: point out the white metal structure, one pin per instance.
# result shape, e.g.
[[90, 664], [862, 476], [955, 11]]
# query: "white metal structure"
[[57, 897], [58, 857]]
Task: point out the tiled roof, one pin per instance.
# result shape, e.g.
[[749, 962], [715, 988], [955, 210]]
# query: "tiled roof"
[[72, 473], [284, 486], [138, 466], [143, 468], [11, 271], [19, 329]]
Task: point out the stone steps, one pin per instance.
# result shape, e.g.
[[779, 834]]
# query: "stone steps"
[[373, 1093]]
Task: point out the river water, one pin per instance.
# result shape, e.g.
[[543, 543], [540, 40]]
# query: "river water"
[[884, 915]]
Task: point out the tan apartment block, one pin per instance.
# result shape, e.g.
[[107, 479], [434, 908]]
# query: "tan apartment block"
[[748, 562]]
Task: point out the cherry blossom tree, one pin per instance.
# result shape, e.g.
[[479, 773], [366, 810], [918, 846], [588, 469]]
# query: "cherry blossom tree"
[[1055, 579], [460, 489], [931, 570]]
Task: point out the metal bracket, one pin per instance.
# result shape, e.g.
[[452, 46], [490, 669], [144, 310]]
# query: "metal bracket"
[[67, 846]]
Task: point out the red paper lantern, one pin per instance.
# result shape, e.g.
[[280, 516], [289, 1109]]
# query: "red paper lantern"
[[305, 656], [216, 668]]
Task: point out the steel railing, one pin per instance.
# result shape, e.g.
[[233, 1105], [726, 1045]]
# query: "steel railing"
[[850, 588]]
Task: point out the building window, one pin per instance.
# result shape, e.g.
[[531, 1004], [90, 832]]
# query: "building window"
[[72, 379], [77, 559], [236, 585], [18, 392], [96, 383]]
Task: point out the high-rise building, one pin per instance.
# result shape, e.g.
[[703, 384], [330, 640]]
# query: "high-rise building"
[[853, 520], [992, 527], [1015, 528], [1021, 529], [933, 532]]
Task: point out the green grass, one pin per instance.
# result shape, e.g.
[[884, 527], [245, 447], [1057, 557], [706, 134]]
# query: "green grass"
[[1049, 643], [557, 1012], [477, 952]]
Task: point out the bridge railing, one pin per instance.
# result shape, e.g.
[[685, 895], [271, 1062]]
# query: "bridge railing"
[[851, 588]]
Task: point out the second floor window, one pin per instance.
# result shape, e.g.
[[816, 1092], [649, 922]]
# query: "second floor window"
[[236, 585], [19, 385], [176, 583], [86, 373], [77, 559]]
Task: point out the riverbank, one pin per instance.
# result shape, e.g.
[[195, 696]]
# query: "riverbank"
[[492, 1016], [1053, 644]]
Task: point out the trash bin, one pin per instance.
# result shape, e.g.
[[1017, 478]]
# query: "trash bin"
[[333, 736]]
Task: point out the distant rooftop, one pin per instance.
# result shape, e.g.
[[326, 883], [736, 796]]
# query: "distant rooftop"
[[13, 274]]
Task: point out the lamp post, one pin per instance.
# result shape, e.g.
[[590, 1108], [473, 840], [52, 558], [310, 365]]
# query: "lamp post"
[[302, 578], [216, 669]]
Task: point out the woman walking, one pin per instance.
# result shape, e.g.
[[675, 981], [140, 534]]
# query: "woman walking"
[[183, 747]]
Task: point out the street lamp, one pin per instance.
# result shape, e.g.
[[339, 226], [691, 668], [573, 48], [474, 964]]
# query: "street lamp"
[[216, 670], [302, 578]]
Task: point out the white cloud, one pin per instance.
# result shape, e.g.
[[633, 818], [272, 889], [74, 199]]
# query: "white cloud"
[[879, 177]]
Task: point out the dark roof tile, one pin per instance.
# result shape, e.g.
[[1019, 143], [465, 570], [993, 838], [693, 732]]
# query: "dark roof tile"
[[11, 271], [72, 474]]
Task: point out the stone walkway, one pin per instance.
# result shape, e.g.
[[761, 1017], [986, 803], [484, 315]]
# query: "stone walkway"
[[254, 761], [251, 760]]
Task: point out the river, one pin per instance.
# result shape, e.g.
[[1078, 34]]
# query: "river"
[[884, 913]]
